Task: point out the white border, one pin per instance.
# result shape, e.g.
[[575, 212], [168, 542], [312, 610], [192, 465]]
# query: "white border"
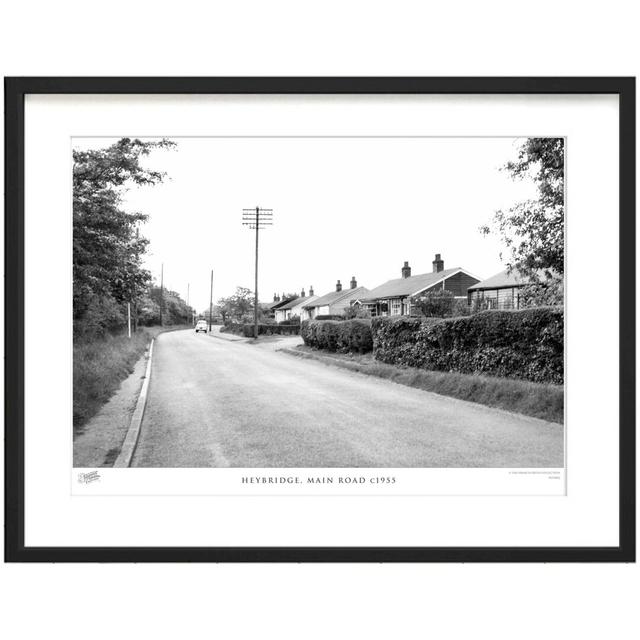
[[587, 516]]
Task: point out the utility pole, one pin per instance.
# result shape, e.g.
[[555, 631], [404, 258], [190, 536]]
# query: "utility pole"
[[188, 299], [161, 290], [129, 319], [211, 301], [256, 219]]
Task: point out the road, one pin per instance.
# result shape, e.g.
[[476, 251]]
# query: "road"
[[216, 403]]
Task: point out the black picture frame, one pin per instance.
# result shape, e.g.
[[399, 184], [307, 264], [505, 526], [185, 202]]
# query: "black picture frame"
[[15, 91]]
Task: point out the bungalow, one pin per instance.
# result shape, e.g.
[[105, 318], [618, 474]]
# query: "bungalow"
[[294, 307], [336, 302], [501, 291], [269, 308], [393, 298], [298, 309]]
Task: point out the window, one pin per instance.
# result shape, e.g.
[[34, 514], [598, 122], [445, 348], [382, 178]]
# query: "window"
[[396, 308]]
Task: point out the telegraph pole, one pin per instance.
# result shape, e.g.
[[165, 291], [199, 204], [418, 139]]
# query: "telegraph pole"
[[188, 307], [211, 301], [161, 290], [256, 219]]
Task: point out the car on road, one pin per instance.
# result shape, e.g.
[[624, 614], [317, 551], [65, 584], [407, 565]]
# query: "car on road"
[[201, 325]]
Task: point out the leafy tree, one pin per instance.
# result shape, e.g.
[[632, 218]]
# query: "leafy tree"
[[224, 305], [107, 246], [174, 309], [533, 230], [239, 305], [216, 314]]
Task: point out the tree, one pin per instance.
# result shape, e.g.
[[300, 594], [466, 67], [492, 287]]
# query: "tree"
[[216, 315], [107, 246], [238, 305], [533, 230]]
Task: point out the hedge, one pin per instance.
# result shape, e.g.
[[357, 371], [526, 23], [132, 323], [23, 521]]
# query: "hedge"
[[343, 336], [271, 330], [526, 344], [247, 330]]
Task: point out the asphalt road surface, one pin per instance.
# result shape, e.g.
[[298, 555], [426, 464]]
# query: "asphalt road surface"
[[215, 403]]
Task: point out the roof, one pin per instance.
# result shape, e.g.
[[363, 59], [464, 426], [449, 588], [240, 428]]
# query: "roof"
[[401, 287], [501, 280], [303, 301], [334, 296], [293, 303], [354, 294], [280, 303]]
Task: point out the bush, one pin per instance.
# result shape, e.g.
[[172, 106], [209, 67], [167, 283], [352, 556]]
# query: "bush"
[[440, 303], [346, 336], [356, 311], [232, 327], [102, 316], [526, 344], [435, 304], [461, 308], [308, 330], [549, 292], [247, 330]]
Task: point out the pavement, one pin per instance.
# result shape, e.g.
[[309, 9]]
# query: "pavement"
[[229, 337], [221, 403], [98, 443], [273, 343]]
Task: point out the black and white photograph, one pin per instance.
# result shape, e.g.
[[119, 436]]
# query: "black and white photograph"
[[372, 322], [318, 302]]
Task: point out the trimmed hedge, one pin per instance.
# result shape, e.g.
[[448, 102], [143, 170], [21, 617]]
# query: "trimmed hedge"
[[343, 336], [246, 330], [526, 344], [271, 330], [398, 334]]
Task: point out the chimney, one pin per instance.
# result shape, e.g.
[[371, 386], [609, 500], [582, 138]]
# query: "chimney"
[[302, 294], [338, 286], [406, 270], [284, 297], [310, 290], [438, 264], [275, 297], [354, 283]]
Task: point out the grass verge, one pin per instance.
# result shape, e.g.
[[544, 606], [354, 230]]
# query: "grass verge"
[[545, 401], [100, 365]]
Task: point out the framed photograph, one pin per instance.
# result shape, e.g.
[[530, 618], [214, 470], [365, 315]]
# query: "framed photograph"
[[320, 319]]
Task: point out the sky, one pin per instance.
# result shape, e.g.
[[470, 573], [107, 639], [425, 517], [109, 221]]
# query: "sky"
[[342, 207]]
